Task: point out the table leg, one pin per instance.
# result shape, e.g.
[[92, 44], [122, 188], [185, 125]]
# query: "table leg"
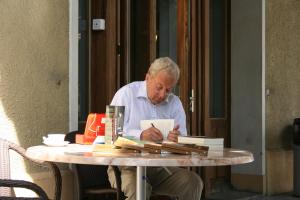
[[140, 182]]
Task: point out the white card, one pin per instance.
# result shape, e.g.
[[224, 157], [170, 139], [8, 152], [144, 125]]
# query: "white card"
[[164, 125]]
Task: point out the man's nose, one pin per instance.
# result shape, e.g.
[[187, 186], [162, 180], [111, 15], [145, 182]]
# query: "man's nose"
[[162, 94]]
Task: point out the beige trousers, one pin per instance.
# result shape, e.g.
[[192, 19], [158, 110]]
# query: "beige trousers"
[[182, 183]]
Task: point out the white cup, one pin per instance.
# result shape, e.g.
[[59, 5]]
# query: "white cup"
[[54, 138]]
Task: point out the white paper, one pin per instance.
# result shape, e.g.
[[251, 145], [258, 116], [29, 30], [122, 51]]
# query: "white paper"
[[164, 125]]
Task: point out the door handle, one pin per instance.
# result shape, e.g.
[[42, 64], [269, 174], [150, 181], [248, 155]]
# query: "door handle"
[[192, 101]]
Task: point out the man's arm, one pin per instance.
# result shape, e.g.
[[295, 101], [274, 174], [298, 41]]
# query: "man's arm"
[[123, 97], [180, 121], [180, 117]]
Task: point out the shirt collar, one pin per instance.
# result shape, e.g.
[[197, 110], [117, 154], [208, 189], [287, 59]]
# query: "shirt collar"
[[142, 92]]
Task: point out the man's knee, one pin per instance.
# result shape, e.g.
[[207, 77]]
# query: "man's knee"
[[196, 180], [128, 178], [129, 189], [128, 185], [193, 181]]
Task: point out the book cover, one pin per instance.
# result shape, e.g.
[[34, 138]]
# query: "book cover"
[[215, 147], [200, 140], [184, 148]]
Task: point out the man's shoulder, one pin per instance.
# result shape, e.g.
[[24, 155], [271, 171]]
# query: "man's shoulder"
[[135, 84], [132, 86], [174, 98]]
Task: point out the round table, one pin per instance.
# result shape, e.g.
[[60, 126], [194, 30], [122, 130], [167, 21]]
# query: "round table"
[[83, 154]]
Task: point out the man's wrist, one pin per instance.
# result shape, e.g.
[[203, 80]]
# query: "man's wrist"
[[142, 135]]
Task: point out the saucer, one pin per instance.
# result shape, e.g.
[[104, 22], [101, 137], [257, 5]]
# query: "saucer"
[[99, 140], [56, 144]]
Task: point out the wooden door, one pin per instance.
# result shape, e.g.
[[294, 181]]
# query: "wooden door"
[[104, 65], [123, 51], [215, 82], [204, 85]]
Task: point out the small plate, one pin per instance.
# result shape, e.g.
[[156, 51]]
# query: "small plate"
[[57, 144]]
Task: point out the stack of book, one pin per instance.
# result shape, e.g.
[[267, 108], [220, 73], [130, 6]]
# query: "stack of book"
[[212, 143], [155, 148]]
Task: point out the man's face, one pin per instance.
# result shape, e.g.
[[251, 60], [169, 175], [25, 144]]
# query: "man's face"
[[159, 86]]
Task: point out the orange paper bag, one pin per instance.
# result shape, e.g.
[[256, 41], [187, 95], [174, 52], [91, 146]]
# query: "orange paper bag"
[[94, 127]]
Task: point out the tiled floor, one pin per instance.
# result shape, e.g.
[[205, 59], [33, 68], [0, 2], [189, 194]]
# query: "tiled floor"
[[276, 197], [223, 190], [238, 195]]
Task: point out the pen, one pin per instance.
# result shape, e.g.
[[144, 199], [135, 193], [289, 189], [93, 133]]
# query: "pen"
[[159, 142], [153, 125]]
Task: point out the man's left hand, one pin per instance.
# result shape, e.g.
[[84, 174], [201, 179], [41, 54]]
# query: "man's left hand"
[[173, 135]]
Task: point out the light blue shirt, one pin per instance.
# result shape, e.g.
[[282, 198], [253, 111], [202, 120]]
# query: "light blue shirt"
[[138, 107]]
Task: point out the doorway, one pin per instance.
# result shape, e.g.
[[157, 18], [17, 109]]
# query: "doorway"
[[193, 33]]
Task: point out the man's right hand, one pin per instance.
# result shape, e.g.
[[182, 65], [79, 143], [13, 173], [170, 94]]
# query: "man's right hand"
[[152, 134]]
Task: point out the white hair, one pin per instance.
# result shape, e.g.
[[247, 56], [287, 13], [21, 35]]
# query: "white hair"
[[166, 64]]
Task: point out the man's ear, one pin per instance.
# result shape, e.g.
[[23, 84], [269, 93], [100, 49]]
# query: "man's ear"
[[147, 76]]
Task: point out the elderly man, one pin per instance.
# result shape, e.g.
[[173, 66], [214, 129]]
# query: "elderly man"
[[153, 99]]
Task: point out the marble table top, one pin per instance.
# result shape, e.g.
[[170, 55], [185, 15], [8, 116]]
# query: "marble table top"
[[82, 154]]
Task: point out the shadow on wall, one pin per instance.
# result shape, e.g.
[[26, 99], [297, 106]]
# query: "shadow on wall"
[[34, 72], [286, 136]]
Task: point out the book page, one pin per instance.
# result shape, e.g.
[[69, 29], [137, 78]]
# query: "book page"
[[164, 125]]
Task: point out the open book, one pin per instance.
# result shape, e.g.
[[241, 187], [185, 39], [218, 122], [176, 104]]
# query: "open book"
[[164, 125]]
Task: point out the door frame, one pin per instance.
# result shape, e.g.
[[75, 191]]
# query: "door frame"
[[73, 65], [192, 57]]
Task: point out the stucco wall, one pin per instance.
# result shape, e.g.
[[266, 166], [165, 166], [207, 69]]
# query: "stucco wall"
[[283, 90], [282, 70], [282, 86], [34, 78]]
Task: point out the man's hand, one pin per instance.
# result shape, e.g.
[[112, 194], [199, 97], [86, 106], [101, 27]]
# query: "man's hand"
[[152, 134], [173, 135]]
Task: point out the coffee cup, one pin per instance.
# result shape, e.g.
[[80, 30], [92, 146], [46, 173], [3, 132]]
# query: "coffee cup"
[[54, 138]]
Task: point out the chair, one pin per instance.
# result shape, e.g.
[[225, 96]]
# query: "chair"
[[6, 183], [92, 180]]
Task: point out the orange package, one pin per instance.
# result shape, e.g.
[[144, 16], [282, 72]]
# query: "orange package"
[[93, 128]]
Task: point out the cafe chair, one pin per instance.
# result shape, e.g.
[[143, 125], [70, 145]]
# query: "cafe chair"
[[7, 184], [92, 180]]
